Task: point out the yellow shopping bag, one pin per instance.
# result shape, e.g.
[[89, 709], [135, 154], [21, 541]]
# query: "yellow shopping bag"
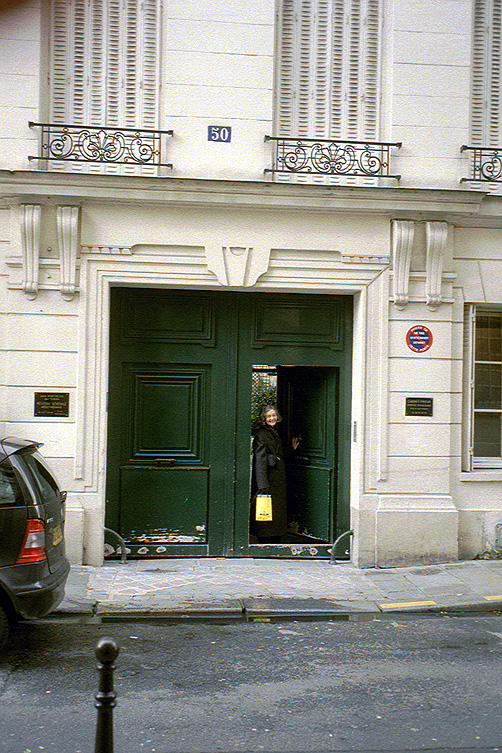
[[263, 507]]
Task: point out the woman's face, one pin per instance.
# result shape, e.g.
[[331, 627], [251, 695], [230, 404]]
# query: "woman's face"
[[271, 417]]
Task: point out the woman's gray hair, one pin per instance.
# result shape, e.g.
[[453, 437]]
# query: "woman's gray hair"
[[265, 410]]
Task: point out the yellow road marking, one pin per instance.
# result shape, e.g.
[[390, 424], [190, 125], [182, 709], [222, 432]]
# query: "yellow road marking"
[[493, 598], [408, 604]]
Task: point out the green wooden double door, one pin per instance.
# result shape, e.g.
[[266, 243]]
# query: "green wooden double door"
[[179, 417]]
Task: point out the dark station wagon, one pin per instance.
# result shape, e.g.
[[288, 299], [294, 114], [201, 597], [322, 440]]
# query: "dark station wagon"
[[33, 566]]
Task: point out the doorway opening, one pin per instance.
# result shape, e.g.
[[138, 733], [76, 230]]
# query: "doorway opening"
[[293, 455]]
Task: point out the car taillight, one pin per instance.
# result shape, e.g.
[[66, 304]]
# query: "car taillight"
[[33, 549]]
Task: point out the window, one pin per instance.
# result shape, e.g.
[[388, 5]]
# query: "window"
[[329, 69], [104, 65], [43, 476], [485, 388], [486, 105], [10, 492]]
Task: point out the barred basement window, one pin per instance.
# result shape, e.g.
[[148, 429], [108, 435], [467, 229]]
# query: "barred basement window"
[[485, 388]]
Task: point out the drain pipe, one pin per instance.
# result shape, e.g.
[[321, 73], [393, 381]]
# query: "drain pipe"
[[342, 536], [123, 551]]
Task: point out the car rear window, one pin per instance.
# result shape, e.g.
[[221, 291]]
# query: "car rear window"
[[10, 491], [43, 477]]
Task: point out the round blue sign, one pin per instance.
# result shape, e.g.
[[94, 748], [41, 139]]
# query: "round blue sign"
[[419, 338]]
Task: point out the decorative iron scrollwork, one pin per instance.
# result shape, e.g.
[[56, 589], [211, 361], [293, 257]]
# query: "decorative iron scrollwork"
[[486, 164], [119, 146], [329, 157]]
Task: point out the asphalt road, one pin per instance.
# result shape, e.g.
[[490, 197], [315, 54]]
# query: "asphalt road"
[[382, 684]]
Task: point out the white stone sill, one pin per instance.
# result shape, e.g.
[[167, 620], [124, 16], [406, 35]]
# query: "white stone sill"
[[488, 475]]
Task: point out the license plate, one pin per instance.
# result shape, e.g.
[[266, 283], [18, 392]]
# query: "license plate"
[[57, 535]]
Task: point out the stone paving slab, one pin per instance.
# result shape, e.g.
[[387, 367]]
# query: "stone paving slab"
[[396, 585], [481, 579], [446, 580]]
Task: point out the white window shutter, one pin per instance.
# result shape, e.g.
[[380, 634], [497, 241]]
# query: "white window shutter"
[[494, 91], [285, 90], [352, 127], [486, 76], [105, 67], [59, 74], [371, 90], [148, 65], [321, 74], [478, 71], [329, 69], [337, 98], [304, 72]]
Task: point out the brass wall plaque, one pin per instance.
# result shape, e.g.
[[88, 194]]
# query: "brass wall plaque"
[[52, 404], [419, 406]]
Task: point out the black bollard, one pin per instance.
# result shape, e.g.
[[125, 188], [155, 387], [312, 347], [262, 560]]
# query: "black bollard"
[[106, 652]]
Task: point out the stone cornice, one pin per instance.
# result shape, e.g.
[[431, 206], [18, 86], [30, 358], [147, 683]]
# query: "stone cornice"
[[458, 206]]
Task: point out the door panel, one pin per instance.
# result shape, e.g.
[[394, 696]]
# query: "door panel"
[[309, 497], [172, 318], [296, 321], [308, 400], [169, 409], [164, 505]]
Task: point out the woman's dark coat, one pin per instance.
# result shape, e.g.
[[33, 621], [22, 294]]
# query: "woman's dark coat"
[[269, 473]]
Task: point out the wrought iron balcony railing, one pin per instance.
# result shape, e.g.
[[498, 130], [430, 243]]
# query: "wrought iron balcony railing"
[[331, 157], [486, 164], [106, 146]]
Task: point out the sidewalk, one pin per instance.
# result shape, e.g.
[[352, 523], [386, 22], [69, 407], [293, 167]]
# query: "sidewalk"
[[262, 588]]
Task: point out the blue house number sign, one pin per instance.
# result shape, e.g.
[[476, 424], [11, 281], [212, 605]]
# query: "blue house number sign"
[[219, 133]]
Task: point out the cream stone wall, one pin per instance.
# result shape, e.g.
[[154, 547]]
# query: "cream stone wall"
[[430, 84], [20, 82], [218, 70]]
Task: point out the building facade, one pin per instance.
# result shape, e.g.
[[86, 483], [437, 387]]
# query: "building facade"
[[201, 200]]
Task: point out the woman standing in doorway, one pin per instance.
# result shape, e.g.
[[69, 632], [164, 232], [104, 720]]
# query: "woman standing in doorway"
[[269, 477]]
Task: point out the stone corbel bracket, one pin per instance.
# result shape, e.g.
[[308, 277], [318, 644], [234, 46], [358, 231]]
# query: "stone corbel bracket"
[[30, 243], [436, 234], [237, 266], [68, 242], [403, 232]]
